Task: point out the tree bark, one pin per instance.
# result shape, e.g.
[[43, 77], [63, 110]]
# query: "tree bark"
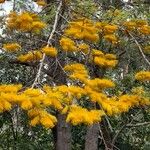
[[63, 135], [91, 141]]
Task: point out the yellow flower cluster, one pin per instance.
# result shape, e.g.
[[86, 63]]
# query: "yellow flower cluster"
[[6, 93], [70, 93], [100, 84], [115, 106], [111, 38], [79, 115], [11, 47], [32, 100], [68, 45], [30, 56], [63, 98], [143, 76], [49, 51], [40, 116], [129, 25], [139, 25], [144, 30], [25, 22], [77, 71], [83, 29], [76, 91], [110, 29], [10, 88], [104, 60], [84, 48]]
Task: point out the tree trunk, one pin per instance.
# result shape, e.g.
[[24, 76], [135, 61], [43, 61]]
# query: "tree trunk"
[[91, 141], [63, 134]]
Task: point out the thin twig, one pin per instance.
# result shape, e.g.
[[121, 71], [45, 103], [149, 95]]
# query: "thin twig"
[[100, 130], [138, 124], [48, 44], [117, 134], [140, 49]]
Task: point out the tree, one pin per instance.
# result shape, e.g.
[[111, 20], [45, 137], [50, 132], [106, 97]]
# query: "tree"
[[68, 70]]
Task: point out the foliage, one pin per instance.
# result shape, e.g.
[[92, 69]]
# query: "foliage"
[[91, 67]]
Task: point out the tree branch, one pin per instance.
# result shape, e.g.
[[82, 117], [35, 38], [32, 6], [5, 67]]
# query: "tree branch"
[[48, 44], [138, 124], [140, 49]]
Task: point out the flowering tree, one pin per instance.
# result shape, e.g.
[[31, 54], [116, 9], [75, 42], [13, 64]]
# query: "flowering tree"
[[66, 58]]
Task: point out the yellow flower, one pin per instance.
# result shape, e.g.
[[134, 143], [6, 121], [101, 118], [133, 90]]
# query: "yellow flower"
[[68, 45], [79, 76], [26, 105], [111, 38], [6, 105], [35, 121], [107, 60], [12, 88], [78, 115], [100, 61], [83, 29], [144, 30], [33, 112], [76, 68], [84, 48], [91, 37], [30, 56], [110, 56], [56, 104], [11, 47], [37, 26], [50, 51], [130, 25], [25, 22], [96, 52], [47, 102], [99, 84], [11, 22], [141, 23], [47, 122], [1, 107], [111, 63], [110, 29], [64, 110], [78, 71], [143, 76]]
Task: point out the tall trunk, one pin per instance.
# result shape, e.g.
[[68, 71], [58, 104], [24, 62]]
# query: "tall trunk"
[[63, 134], [91, 141]]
